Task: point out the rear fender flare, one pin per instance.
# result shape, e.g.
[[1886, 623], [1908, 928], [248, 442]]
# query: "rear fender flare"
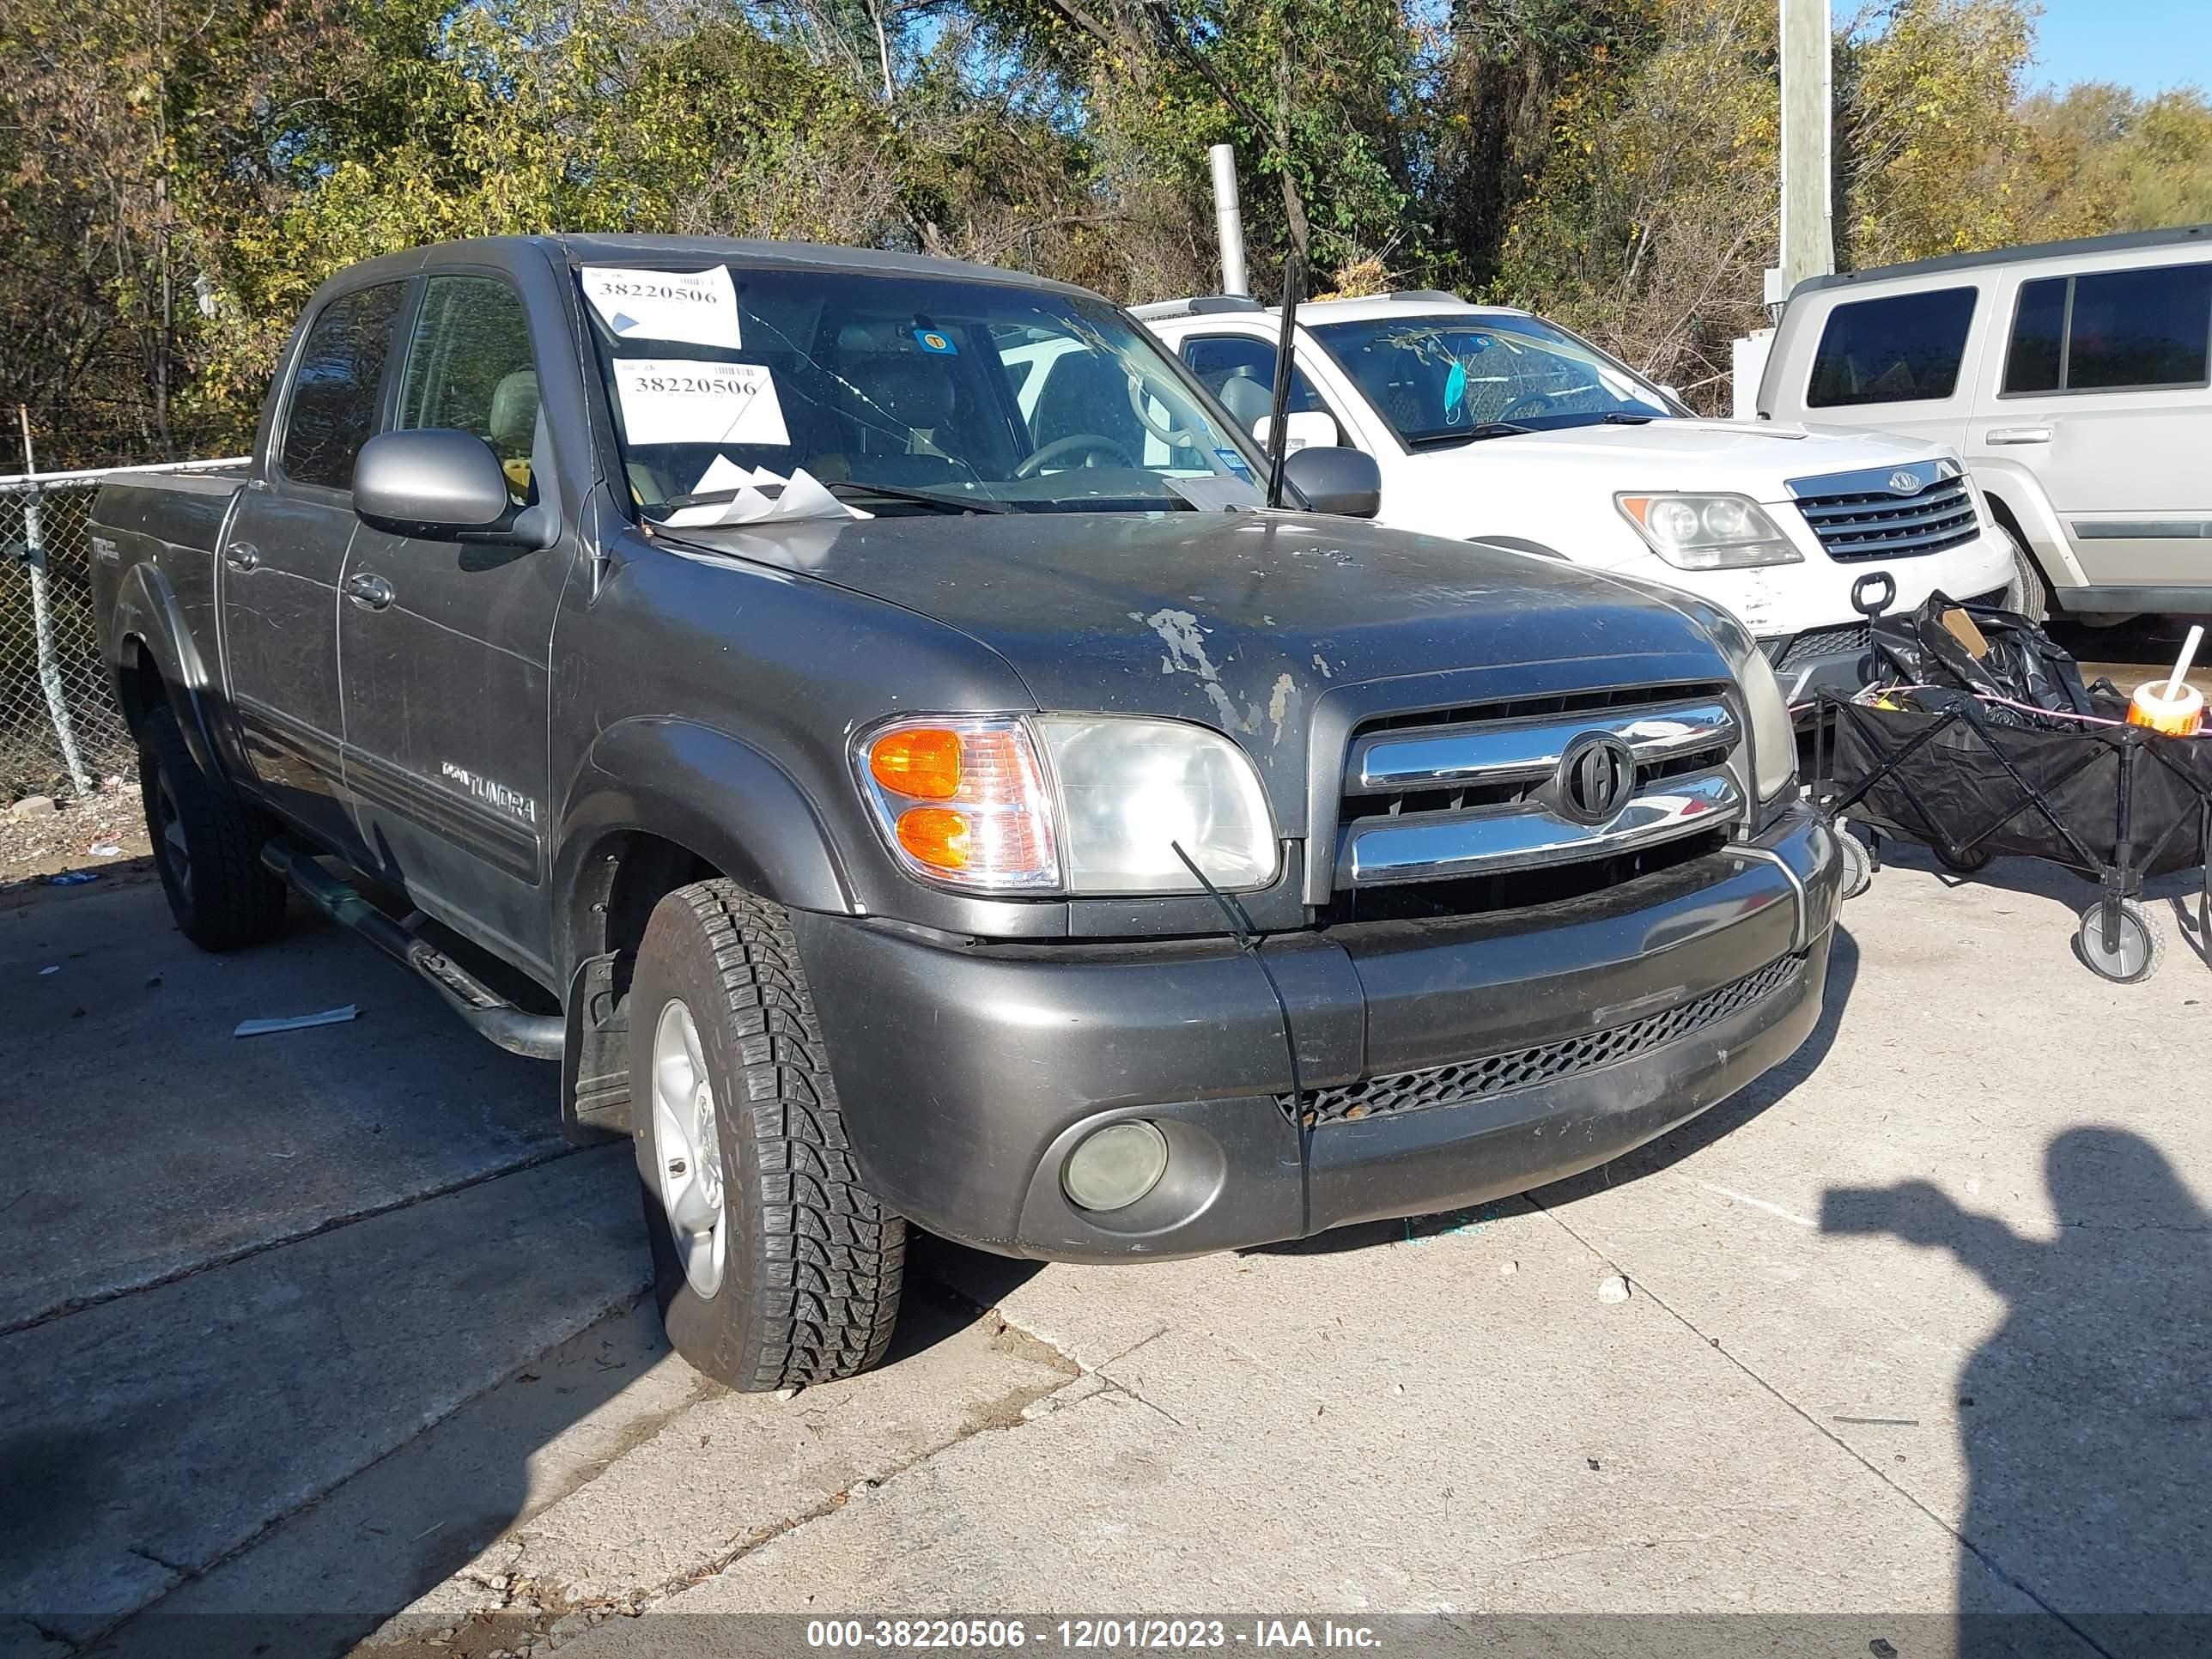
[[148, 619]]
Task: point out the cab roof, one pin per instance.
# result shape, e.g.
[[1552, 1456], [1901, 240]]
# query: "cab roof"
[[596, 249], [1311, 313]]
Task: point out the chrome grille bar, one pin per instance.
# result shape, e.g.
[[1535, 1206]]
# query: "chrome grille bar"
[[1437, 845], [1920, 508], [1508, 751]]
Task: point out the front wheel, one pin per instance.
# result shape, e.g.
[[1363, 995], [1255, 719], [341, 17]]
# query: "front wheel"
[[2029, 592], [775, 1264], [1858, 863]]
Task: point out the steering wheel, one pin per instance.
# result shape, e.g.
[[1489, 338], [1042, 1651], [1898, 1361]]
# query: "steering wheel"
[[1075, 443], [1543, 403]]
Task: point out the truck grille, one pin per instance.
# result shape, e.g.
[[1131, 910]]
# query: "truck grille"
[[1480, 792], [1871, 515], [1468, 1080]]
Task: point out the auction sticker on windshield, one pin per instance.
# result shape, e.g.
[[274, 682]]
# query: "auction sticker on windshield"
[[692, 308], [671, 401]]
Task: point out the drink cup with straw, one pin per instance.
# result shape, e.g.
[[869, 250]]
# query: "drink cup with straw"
[[2171, 706]]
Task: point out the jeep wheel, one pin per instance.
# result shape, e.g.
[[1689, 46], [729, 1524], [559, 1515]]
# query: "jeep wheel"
[[776, 1266], [2029, 594], [207, 846]]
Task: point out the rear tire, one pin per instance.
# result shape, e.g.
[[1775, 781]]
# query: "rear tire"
[[207, 845], [775, 1265]]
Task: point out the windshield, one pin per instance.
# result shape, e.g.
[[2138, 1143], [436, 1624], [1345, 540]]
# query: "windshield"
[[981, 396], [1443, 380]]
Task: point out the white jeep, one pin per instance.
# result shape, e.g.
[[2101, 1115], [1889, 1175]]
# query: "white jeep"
[[1490, 424]]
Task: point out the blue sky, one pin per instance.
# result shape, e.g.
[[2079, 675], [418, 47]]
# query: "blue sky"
[[2148, 45]]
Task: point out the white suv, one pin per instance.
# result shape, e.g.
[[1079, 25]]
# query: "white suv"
[[1493, 425], [2074, 377]]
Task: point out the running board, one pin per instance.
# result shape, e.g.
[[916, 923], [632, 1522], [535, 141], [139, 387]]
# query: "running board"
[[535, 1036]]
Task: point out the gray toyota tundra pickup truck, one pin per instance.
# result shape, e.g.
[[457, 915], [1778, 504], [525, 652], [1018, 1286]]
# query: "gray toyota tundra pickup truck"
[[902, 787]]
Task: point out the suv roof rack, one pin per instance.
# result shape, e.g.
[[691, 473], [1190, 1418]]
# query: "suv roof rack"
[[1425, 295], [2006, 255], [1199, 306]]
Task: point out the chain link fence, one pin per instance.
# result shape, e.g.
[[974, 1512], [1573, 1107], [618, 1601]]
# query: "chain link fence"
[[61, 732]]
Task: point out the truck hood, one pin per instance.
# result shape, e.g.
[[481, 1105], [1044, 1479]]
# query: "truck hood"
[[1245, 621], [1749, 458]]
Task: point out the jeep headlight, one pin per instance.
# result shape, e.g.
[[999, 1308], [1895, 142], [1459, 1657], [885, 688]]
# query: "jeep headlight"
[[1078, 804], [1708, 532]]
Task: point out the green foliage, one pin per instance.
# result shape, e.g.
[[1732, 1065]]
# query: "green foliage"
[[175, 184]]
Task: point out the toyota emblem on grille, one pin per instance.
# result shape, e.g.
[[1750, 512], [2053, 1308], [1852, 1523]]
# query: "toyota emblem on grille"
[[1595, 778], [1904, 483]]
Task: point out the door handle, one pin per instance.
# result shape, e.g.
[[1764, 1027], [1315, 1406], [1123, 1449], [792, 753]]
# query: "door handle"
[[368, 590], [2017, 435], [242, 556]]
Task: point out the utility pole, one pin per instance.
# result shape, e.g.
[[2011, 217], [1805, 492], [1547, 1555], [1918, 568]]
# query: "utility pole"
[[1229, 219], [1808, 236], [1808, 228]]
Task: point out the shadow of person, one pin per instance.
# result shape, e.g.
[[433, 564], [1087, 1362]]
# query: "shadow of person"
[[2086, 1417]]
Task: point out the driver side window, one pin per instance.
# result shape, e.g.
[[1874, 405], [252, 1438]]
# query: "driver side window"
[[469, 367], [1239, 370]]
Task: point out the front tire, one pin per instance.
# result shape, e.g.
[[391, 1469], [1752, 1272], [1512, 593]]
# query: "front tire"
[[776, 1266], [207, 845], [2030, 593]]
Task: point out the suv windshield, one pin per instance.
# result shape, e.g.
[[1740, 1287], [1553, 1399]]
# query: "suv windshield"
[[933, 392], [1450, 380]]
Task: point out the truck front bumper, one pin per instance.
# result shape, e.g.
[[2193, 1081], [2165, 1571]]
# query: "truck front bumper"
[[1438, 1063]]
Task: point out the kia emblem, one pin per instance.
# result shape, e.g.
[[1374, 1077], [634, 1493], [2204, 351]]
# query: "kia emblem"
[[1904, 483], [1596, 776]]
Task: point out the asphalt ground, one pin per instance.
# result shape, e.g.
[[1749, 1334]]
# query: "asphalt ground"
[[326, 1339]]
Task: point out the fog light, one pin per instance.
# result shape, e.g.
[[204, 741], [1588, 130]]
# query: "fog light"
[[1115, 1166]]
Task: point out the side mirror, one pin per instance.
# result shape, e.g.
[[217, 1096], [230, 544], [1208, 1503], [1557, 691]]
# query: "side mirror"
[[1308, 428], [438, 482], [1345, 482]]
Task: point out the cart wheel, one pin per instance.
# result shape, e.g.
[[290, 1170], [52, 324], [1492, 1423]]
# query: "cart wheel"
[[1960, 864], [1858, 863], [2131, 955]]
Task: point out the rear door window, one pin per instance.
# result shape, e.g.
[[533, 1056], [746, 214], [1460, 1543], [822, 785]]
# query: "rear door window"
[[1902, 349], [2112, 330], [331, 410], [2035, 358]]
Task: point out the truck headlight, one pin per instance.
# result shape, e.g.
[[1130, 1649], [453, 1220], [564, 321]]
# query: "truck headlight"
[[1076, 803], [1773, 734], [1708, 532]]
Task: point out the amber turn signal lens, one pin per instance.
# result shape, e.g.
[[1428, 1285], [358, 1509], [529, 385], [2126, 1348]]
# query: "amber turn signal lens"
[[921, 762], [937, 836]]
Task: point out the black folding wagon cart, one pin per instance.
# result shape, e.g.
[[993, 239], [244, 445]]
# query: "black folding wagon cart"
[[1970, 779]]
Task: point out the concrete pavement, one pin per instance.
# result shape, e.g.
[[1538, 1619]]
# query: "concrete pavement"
[[1922, 1324]]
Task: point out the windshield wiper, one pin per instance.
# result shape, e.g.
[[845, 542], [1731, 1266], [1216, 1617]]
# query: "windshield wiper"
[[1622, 417], [1473, 434], [861, 489], [844, 491]]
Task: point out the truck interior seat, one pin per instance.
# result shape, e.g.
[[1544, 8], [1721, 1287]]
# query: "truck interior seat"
[[514, 423]]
